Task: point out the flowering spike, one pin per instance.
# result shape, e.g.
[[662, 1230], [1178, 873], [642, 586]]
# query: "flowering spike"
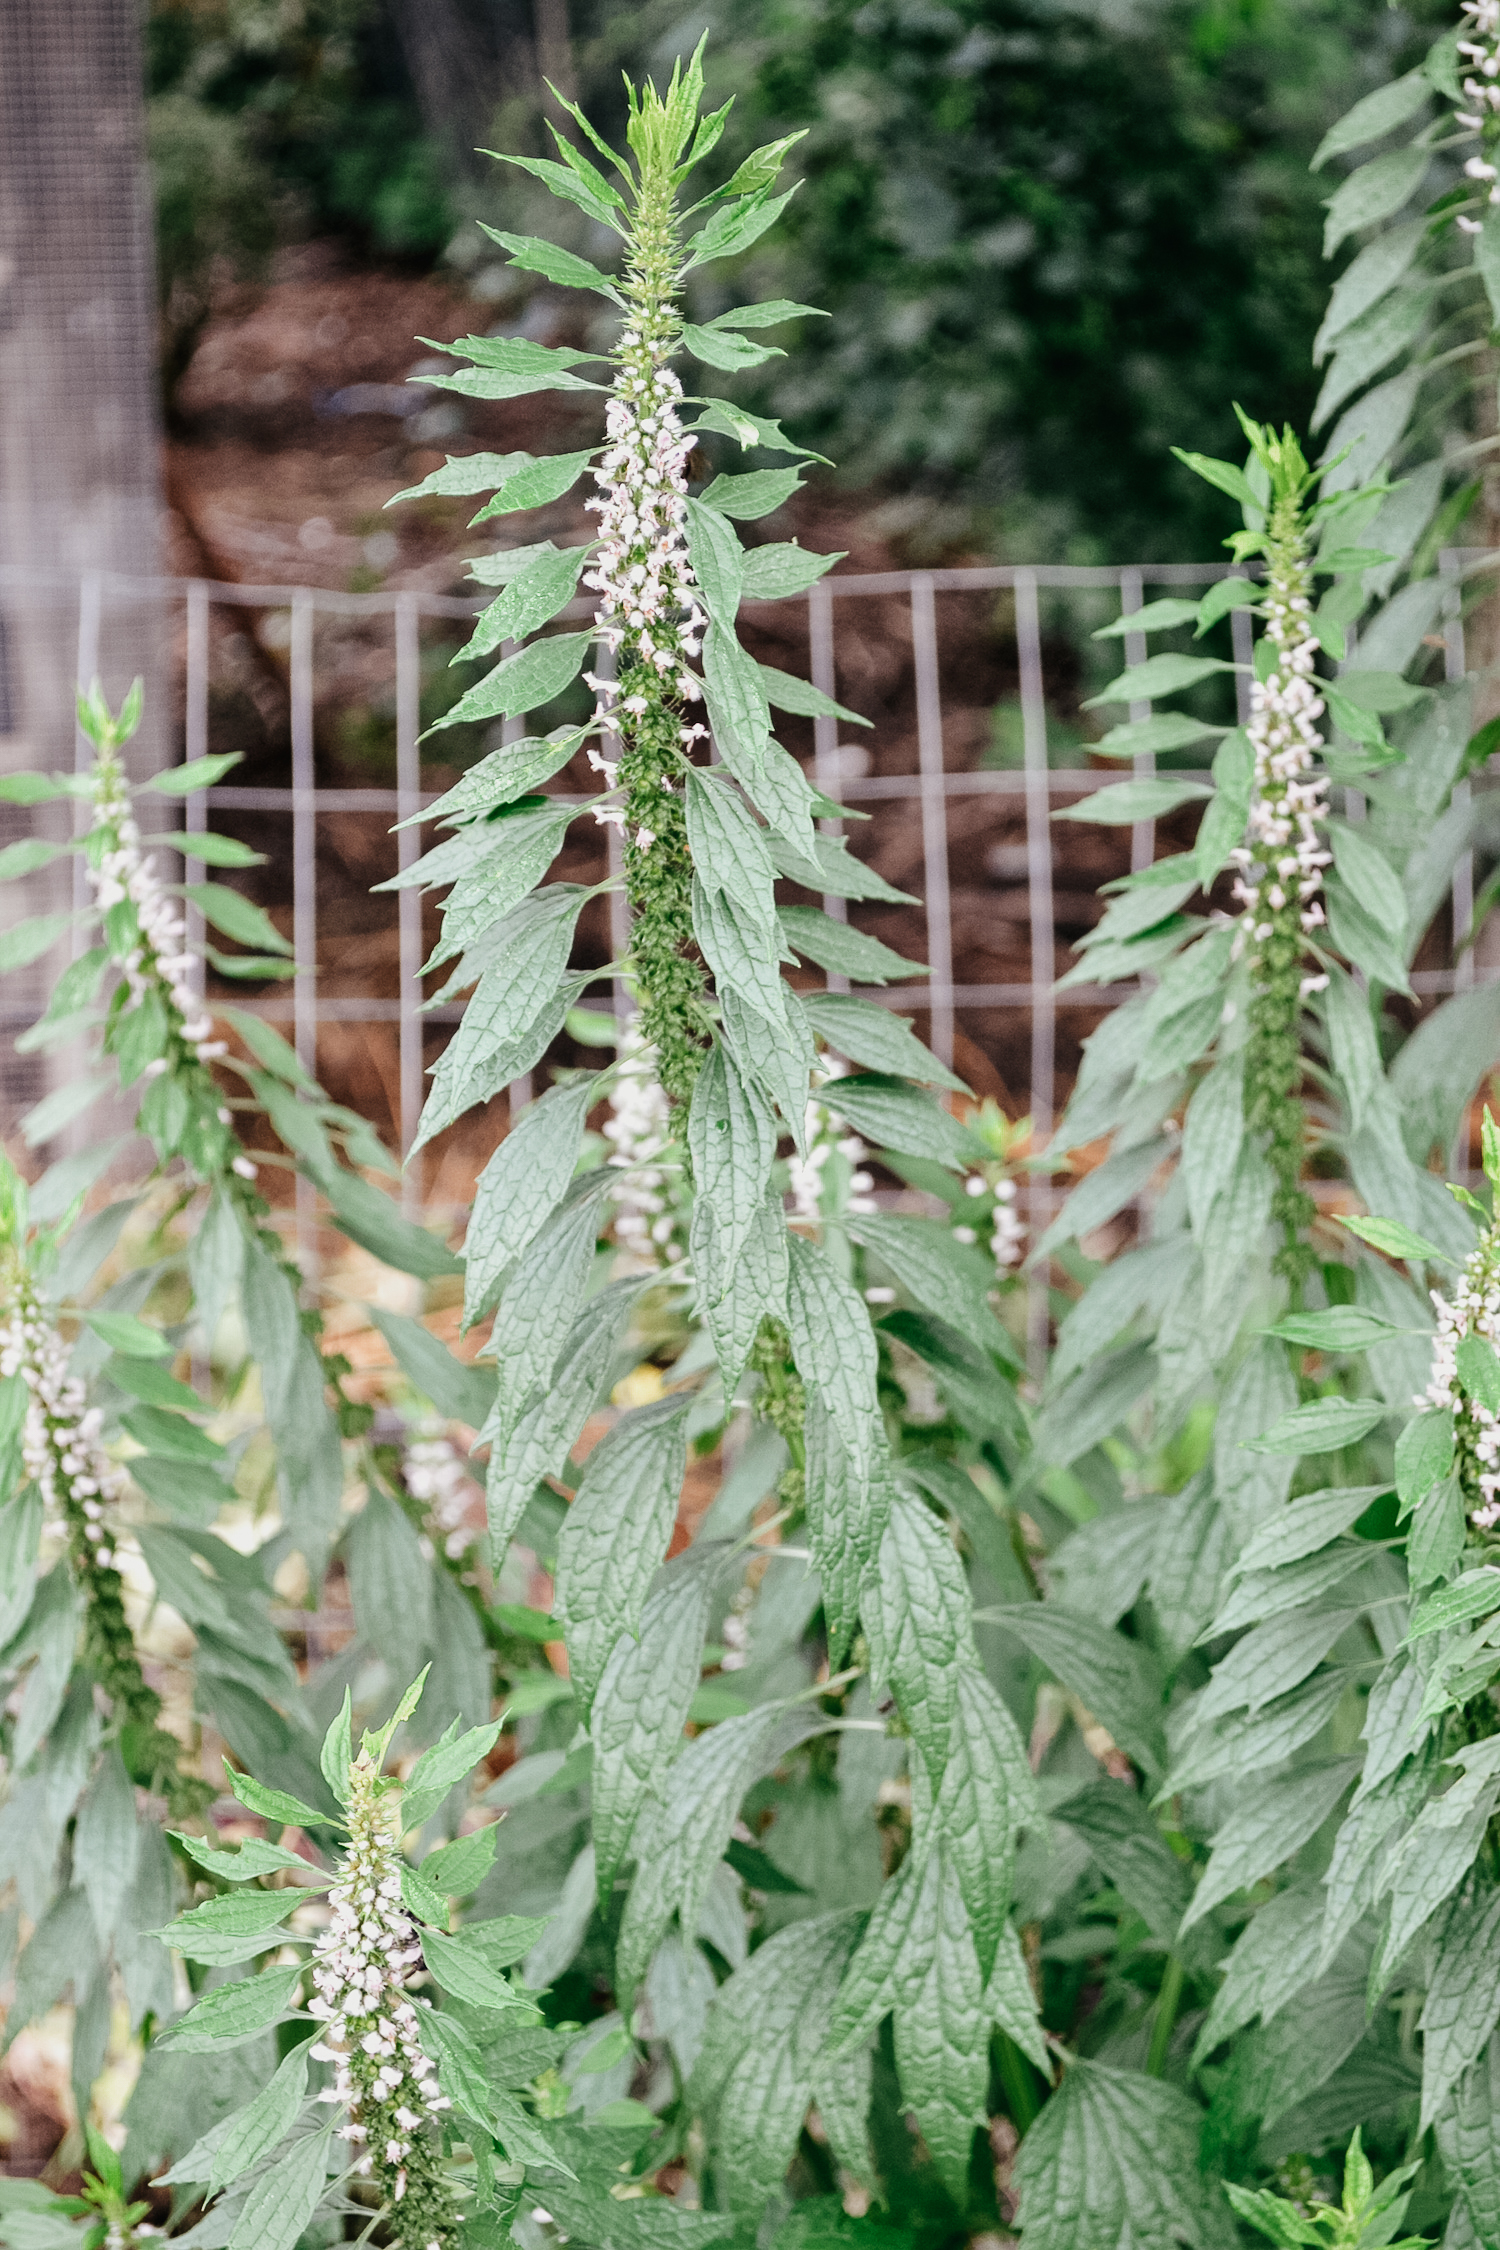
[[1480, 52]]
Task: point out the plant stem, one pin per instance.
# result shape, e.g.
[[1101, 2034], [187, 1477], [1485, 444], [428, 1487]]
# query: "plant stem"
[[1167, 2004]]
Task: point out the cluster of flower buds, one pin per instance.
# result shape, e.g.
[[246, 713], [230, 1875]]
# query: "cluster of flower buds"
[[1281, 867], [642, 569], [1481, 88], [60, 1440], [1006, 1234], [1473, 1310], [436, 1475], [639, 1131], [828, 1134], [363, 1962], [160, 962]]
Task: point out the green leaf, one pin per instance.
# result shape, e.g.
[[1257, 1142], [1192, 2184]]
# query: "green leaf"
[[1479, 1371], [462, 1970], [756, 494], [749, 429], [215, 851], [532, 599], [1129, 1847], [1114, 1677], [1275, 1954], [1149, 798], [732, 1140], [1223, 821], [276, 2212], [536, 484], [733, 1299], [1374, 192], [458, 1869], [247, 1860], [987, 1796], [1223, 475], [876, 1037], [27, 941], [841, 948], [198, 773], [788, 693], [123, 1333], [768, 2031], [1424, 1455], [1436, 1853], [1375, 116], [1306, 1524], [781, 569], [273, 1804], [460, 2063], [539, 1443], [239, 918], [542, 1298], [942, 2033], [509, 367], [1113, 2159], [535, 256], [516, 1011], [915, 1608], [735, 226], [35, 788], [1475, 1594], [718, 562], [642, 1704], [1463, 1998], [512, 771], [729, 855], [1324, 1425], [523, 682], [834, 1347], [1165, 730], [259, 2128], [26, 856], [1396, 1240], [145, 1379], [441, 1767], [721, 347], [462, 1394], [614, 1537], [1158, 676], [1270, 1822], [948, 1278], [1360, 937], [1344, 1328], [521, 1187], [232, 2013], [901, 1117], [468, 473]]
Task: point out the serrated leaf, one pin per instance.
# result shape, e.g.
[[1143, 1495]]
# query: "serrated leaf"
[[232, 2013], [251, 1858], [986, 1797], [1275, 1955], [1343, 1328], [614, 1537], [462, 1970], [540, 1441], [942, 2027], [834, 1347], [1112, 1676], [1374, 192], [948, 1278], [256, 2131], [1374, 116], [642, 1705], [1125, 802], [768, 2030], [521, 1187], [1396, 1240], [459, 1392], [458, 1868], [732, 1141], [1129, 1847], [838, 946], [1475, 1594], [1158, 676], [277, 2210], [1271, 1822], [238, 917], [273, 1804], [1424, 1454], [525, 681], [718, 562], [440, 1768], [1324, 1425], [874, 1036], [915, 1607], [730, 855], [1249, 1741], [1435, 1855], [1463, 1998], [1113, 2160], [337, 1752], [542, 1297], [845, 1518]]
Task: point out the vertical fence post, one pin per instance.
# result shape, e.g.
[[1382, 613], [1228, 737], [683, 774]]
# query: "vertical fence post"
[[90, 607], [1043, 947], [304, 887], [409, 911], [934, 814], [195, 745]]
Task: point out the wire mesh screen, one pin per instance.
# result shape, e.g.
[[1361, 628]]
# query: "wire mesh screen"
[[958, 779]]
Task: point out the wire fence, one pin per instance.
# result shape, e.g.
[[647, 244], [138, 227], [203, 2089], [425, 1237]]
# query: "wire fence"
[[941, 793]]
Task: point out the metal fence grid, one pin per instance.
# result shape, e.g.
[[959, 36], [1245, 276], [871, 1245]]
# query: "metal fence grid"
[[936, 789]]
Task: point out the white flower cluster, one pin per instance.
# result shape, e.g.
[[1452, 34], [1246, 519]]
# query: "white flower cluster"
[[639, 1130], [642, 569], [160, 960], [435, 1474], [1007, 1234], [362, 1963], [827, 1131], [1481, 50], [60, 1444], [1283, 862], [1474, 1310]]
